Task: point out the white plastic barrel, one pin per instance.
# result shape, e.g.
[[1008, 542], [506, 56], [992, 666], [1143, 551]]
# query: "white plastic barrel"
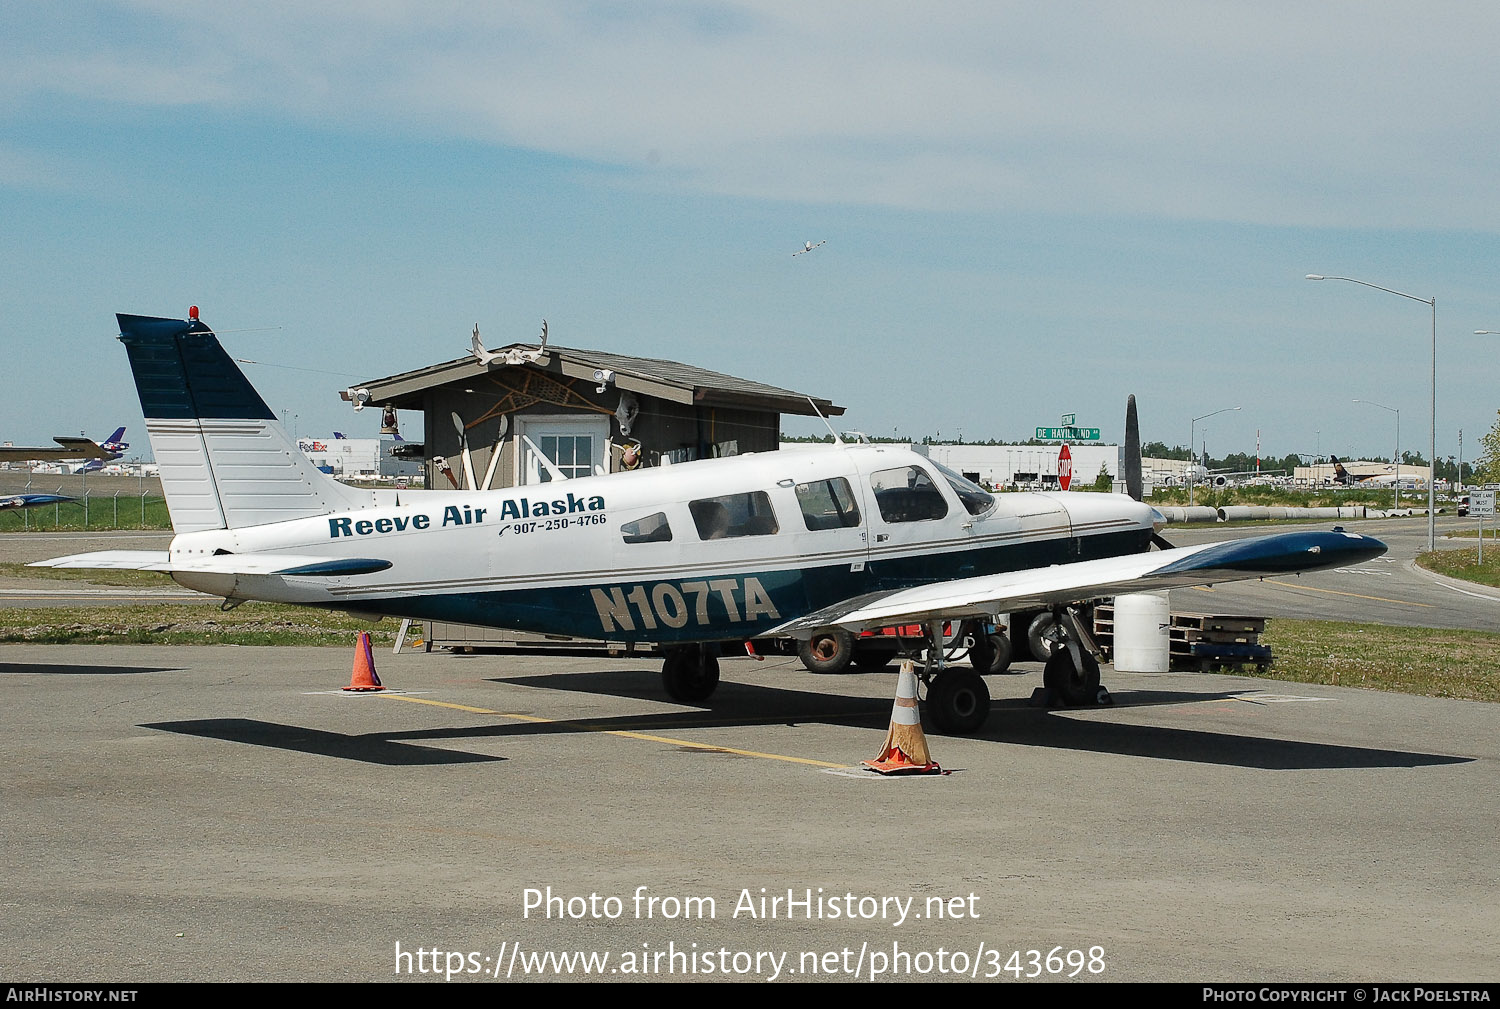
[[1143, 633]]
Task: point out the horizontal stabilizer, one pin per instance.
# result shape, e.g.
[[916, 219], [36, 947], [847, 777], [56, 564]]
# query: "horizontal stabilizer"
[[120, 560], [986, 595], [299, 565]]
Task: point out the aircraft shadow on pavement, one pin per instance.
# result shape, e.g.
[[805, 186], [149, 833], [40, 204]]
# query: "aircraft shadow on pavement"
[[1012, 720], [369, 748], [1198, 746], [80, 669]]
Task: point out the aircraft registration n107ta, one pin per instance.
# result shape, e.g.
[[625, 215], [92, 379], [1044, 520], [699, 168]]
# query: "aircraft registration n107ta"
[[694, 557]]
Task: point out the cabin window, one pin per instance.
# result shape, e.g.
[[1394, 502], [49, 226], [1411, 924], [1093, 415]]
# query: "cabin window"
[[976, 499], [651, 529], [828, 504], [732, 515], [907, 495]]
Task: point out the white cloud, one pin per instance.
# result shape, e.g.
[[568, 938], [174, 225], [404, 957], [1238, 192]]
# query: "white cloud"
[[1340, 114]]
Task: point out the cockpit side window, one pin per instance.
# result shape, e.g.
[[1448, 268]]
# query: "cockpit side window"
[[907, 494], [651, 529], [828, 504], [976, 499], [734, 515]]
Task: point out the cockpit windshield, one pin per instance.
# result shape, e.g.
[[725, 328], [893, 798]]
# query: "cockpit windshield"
[[975, 498]]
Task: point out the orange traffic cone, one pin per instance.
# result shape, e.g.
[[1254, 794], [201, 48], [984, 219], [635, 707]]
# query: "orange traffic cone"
[[364, 677], [905, 749]]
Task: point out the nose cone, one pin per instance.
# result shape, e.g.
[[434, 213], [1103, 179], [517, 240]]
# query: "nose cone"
[[1101, 513]]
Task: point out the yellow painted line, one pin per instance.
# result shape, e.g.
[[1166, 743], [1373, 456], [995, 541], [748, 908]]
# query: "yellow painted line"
[[612, 732], [1354, 595]]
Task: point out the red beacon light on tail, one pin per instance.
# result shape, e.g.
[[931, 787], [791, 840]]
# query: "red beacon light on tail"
[[192, 313]]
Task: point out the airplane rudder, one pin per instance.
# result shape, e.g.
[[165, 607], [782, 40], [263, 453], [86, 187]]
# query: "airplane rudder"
[[181, 372]]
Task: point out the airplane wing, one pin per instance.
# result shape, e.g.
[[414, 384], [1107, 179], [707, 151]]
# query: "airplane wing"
[[986, 595], [10, 502], [302, 565], [72, 448]]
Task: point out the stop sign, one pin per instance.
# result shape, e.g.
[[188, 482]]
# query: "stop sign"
[[1064, 468]]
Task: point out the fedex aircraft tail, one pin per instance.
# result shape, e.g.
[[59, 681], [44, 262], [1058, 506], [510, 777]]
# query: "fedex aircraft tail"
[[225, 461]]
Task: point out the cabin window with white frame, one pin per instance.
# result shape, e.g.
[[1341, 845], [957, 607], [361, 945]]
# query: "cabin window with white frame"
[[733, 515], [907, 494], [828, 504], [651, 529]]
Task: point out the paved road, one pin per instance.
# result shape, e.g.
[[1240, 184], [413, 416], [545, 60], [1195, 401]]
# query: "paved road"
[[1388, 590], [218, 813]]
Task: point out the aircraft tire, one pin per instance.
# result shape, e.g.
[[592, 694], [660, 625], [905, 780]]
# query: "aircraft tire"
[[1043, 636], [990, 653], [958, 702], [1072, 686], [827, 651], [690, 675]]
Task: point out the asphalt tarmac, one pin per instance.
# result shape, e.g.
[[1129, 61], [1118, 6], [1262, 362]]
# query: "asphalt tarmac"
[[227, 813], [223, 813]]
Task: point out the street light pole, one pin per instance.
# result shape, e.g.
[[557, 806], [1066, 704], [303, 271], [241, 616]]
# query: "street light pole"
[[1397, 411], [1192, 430], [1432, 431]]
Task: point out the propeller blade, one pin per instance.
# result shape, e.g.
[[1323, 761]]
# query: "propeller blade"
[[1132, 461]]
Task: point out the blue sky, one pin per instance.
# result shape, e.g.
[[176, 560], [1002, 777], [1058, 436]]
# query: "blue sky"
[[1029, 209]]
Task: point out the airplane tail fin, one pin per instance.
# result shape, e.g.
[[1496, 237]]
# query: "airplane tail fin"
[[225, 461]]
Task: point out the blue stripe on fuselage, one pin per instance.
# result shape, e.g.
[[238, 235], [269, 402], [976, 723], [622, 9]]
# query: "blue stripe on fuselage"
[[726, 606]]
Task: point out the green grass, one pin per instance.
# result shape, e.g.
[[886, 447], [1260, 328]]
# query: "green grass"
[[1464, 563], [1290, 497], [94, 576], [101, 514], [188, 624], [1408, 660]]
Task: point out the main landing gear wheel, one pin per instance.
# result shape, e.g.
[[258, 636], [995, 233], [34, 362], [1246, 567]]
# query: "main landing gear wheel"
[[690, 675], [1073, 686], [1045, 636], [827, 651], [958, 701], [990, 653]]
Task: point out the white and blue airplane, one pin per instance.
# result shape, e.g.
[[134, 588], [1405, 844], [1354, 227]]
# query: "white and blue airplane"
[[697, 557]]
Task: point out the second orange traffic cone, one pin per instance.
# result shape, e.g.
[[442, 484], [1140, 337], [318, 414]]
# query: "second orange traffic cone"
[[905, 749], [364, 678]]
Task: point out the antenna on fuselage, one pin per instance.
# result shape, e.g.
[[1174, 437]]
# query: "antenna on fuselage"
[[836, 439]]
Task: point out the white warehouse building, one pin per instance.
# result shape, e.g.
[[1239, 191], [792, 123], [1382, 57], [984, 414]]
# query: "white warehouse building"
[[1025, 465]]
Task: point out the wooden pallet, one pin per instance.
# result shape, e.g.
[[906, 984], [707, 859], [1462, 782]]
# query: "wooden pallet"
[[1201, 641]]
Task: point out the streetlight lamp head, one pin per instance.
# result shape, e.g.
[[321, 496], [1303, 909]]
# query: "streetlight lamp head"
[[1315, 276]]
